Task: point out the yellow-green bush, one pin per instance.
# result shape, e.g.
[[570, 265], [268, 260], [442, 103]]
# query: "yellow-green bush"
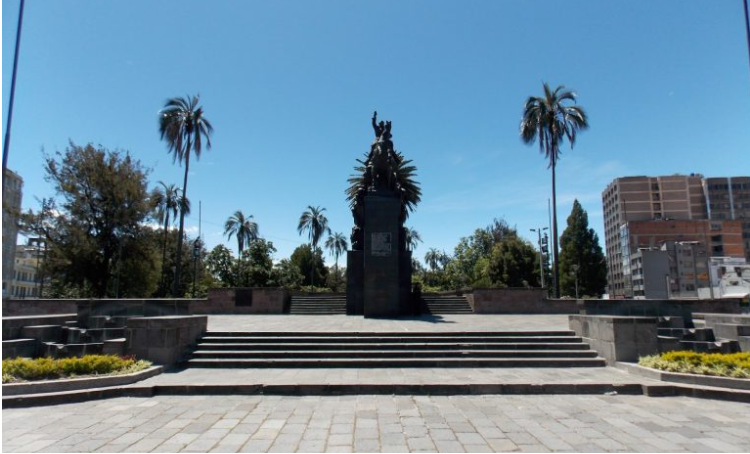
[[736, 365], [19, 369]]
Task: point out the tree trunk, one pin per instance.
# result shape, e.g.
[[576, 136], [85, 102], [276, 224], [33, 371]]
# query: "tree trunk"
[[556, 263], [163, 289], [178, 259]]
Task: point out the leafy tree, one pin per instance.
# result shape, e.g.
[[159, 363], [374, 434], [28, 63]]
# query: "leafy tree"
[[581, 257], [513, 263], [99, 223], [220, 264], [287, 274], [315, 223], [432, 259], [336, 245], [549, 120], [165, 200], [309, 265], [184, 128], [260, 257]]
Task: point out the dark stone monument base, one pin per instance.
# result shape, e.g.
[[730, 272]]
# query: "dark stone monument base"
[[355, 299]]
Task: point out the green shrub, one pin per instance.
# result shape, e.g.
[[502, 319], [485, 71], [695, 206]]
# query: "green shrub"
[[20, 369], [735, 365]]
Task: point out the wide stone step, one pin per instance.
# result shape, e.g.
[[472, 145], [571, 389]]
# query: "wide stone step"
[[396, 362], [398, 334], [396, 340], [573, 346], [334, 354]]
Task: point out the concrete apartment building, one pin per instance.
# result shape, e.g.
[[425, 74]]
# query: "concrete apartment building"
[[729, 198], [12, 193], [646, 212]]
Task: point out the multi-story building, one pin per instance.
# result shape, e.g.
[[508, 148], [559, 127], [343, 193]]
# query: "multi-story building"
[[26, 281], [645, 199], [729, 198], [12, 192], [644, 212]]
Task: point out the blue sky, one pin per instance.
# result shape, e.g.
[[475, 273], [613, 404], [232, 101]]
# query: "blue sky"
[[290, 87]]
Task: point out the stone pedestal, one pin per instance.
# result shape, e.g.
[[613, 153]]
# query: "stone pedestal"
[[381, 257], [355, 302]]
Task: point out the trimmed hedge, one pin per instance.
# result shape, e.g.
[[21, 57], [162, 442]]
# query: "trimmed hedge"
[[735, 365], [23, 369]]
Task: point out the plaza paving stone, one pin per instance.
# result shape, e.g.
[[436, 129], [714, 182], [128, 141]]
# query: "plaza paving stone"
[[447, 322], [381, 424]]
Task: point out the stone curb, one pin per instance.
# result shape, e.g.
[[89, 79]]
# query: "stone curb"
[[685, 379], [31, 400], [74, 384]]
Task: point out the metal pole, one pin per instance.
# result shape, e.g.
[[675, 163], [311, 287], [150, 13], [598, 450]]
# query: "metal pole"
[[541, 265], [747, 29], [6, 144]]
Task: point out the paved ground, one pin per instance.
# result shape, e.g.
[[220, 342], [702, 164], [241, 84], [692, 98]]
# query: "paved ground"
[[469, 322], [419, 375], [381, 423]]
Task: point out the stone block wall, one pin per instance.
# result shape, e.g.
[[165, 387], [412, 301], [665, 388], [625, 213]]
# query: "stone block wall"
[[658, 308], [618, 338], [257, 300], [518, 301], [164, 340], [13, 308]]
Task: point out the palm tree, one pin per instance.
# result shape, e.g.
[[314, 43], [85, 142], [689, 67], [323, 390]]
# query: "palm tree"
[[413, 238], [244, 230], [315, 223], [183, 127], [432, 258], [549, 120], [166, 201], [336, 245]]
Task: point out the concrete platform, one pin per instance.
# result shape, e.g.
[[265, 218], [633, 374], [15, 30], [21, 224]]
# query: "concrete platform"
[[446, 322]]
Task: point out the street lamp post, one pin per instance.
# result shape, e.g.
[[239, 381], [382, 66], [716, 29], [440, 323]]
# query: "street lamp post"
[[539, 243], [6, 143]]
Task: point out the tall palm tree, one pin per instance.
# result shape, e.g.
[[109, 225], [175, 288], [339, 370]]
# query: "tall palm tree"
[[432, 258], [413, 238], [315, 223], [244, 229], [549, 119], [166, 201], [183, 126], [336, 245]]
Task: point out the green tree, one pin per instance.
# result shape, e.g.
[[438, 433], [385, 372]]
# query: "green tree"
[[582, 261], [413, 238], [220, 264], [549, 120], [287, 274], [183, 126], [336, 245], [165, 199], [513, 263], [245, 230], [105, 203], [259, 255], [309, 264], [315, 223], [432, 259]]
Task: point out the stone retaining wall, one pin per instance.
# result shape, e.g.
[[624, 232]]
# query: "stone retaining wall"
[[658, 308], [164, 340], [618, 338], [518, 301], [258, 300], [13, 308]]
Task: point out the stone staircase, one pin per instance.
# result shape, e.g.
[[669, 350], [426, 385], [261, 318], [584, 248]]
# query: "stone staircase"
[[433, 304], [321, 304], [241, 349]]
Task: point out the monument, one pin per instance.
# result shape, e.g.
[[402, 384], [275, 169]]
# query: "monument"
[[379, 264]]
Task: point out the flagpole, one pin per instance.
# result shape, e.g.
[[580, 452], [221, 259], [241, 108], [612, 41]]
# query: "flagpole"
[[6, 143]]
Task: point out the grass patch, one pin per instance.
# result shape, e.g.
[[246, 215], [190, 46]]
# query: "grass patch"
[[734, 365], [23, 369]]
